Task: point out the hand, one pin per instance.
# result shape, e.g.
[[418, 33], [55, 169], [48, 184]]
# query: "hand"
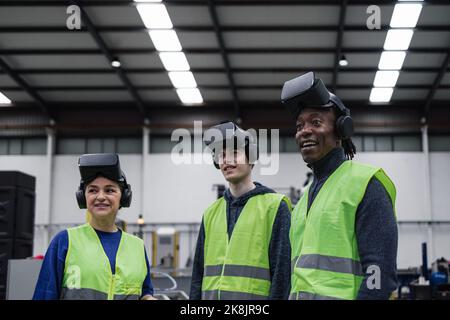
[[148, 297]]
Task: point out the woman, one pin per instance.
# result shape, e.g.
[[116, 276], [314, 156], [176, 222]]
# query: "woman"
[[97, 260]]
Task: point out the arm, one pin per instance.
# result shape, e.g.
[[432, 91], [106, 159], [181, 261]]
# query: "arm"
[[280, 255], [147, 286], [377, 237], [48, 286], [198, 266]]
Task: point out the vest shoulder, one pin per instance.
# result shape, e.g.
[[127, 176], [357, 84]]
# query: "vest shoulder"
[[361, 168], [132, 237], [215, 204], [78, 228]]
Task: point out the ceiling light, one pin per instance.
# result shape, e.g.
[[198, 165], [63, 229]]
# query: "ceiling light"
[[115, 63], [174, 61], [405, 15], [183, 79], [154, 16], [381, 94], [343, 62], [165, 40], [385, 78], [398, 39], [4, 99], [190, 96], [391, 60]]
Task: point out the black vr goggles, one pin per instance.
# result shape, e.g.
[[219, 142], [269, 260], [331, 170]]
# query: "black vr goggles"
[[307, 91], [106, 165]]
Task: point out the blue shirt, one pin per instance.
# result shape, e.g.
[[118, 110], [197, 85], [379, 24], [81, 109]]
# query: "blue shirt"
[[50, 279]]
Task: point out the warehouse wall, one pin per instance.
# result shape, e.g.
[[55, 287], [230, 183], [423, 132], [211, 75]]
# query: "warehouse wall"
[[180, 193]]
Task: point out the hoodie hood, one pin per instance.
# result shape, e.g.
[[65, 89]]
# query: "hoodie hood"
[[242, 200]]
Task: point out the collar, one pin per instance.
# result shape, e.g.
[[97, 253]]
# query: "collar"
[[330, 162]]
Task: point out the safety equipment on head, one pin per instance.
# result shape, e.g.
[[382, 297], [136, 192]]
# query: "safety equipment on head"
[[227, 134], [105, 165], [307, 91]]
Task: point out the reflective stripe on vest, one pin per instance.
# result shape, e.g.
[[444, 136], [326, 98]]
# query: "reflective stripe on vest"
[[90, 294], [323, 238], [230, 295], [238, 271], [87, 271], [334, 264], [238, 267], [309, 296]]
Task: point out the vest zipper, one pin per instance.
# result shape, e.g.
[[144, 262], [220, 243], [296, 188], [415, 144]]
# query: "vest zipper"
[[111, 288]]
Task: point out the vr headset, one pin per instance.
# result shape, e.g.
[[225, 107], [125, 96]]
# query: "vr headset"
[[106, 165], [218, 137], [307, 91]]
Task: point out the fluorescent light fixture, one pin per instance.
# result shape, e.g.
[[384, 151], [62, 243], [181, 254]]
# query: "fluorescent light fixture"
[[391, 60], [190, 96], [165, 40], [147, 0], [398, 39], [154, 16], [4, 99], [182, 79], [381, 94], [405, 15], [174, 61], [385, 78]]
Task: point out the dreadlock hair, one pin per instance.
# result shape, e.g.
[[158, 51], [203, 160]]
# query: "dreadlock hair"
[[349, 148]]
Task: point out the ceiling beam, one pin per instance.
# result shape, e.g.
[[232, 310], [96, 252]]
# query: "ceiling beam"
[[119, 3], [207, 28], [436, 85], [260, 50], [340, 35], [175, 106], [205, 87], [40, 103], [109, 55], [226, 63], [214, 70]]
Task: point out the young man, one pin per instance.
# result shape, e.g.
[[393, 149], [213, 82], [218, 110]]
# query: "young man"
[[344, 232], [243, 245]]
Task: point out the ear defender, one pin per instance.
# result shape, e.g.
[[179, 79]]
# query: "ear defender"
[[344, 127], [125, 199], [344, 122], [81, 199]]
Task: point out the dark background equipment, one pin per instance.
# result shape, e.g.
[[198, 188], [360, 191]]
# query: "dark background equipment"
[[17, 209]]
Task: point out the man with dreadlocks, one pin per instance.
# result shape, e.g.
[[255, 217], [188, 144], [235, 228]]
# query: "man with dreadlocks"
[[343, 230]]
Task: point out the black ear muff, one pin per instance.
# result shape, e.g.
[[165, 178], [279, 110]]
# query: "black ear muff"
[[81, 200], [344, 127], [125, 200]]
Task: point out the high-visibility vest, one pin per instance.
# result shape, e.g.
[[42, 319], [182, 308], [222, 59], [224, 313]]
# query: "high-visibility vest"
[[238, 268], [325, 258], [87, 271]]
